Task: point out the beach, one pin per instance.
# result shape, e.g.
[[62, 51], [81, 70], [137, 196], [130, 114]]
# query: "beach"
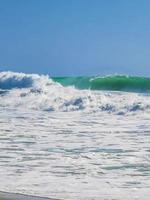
[[13, 196]]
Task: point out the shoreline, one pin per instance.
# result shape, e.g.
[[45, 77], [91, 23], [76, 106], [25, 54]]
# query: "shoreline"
[[18, 196]]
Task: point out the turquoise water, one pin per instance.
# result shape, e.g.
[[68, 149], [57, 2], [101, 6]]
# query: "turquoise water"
[[112, 83]]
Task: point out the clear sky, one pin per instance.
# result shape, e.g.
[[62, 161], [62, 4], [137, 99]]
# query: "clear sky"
[[75, 37]]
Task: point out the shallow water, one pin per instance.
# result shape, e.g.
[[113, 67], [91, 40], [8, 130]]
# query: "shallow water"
[[75, 155]]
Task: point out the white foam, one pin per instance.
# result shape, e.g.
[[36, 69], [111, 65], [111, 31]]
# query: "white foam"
[[39, 92], [102, 154]]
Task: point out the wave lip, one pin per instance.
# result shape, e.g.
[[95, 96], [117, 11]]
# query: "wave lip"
[[10, 80]]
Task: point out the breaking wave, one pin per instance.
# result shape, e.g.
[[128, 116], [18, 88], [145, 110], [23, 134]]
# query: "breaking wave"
[[39, 92], [10, 80]]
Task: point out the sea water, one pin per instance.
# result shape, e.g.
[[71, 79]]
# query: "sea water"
[[66, 143]]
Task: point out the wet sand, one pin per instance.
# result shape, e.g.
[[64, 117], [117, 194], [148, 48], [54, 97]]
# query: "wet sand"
[[15, 196]]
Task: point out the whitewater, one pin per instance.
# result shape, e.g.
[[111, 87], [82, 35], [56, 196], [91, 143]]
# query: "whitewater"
[[61, 140]]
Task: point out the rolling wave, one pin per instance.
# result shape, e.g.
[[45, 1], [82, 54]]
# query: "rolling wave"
[[111, 83], [39, 92]]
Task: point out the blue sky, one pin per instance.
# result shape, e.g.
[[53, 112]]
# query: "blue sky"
[[75, 37]]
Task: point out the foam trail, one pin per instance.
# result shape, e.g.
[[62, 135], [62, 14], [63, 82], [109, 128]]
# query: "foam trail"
[[54, 135]]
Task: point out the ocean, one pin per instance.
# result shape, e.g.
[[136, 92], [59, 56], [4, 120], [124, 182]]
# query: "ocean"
[[78, 138]]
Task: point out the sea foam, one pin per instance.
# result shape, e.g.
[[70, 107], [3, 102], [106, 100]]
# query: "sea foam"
[[39, 92]]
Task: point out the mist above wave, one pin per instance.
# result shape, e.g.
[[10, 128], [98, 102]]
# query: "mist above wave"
[[39, 92]]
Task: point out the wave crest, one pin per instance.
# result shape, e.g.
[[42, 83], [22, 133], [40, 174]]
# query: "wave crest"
[[10, 80], [39, 92], [111, 83]]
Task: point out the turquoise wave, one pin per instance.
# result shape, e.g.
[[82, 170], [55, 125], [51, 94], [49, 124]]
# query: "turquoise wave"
[[111, 83]]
